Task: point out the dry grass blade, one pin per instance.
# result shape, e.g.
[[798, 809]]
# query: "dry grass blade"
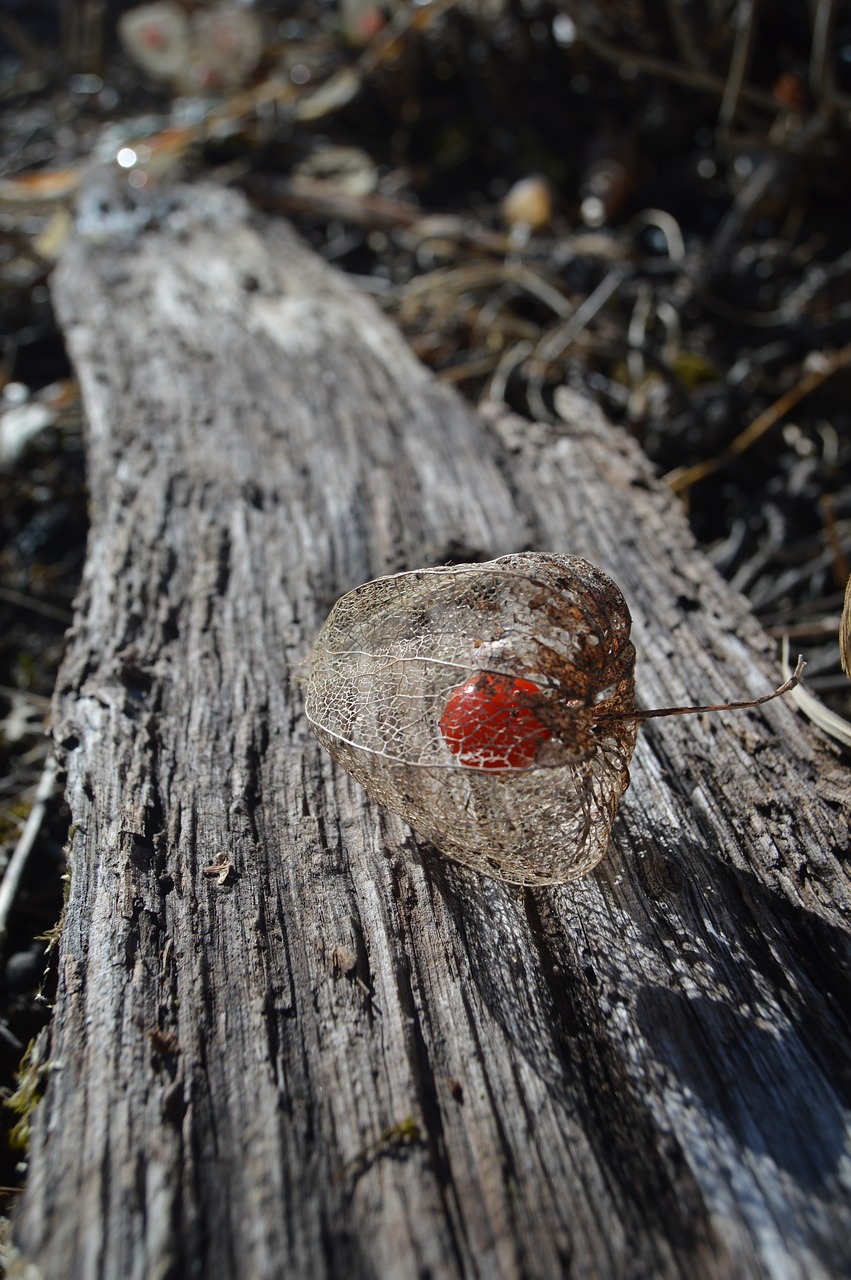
[[18, 861], [828, 721], [845, 632]]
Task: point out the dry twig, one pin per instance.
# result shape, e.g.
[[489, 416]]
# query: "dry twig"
[[681, 479]]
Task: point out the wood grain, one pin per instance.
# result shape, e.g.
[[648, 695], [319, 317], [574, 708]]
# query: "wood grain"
[[354, 1058]]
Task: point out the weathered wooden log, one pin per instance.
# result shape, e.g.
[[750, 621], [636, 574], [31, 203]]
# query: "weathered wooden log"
[[339, 1054]]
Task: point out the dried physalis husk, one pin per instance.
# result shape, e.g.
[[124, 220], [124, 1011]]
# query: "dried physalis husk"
[[467, 700], [491, 705]]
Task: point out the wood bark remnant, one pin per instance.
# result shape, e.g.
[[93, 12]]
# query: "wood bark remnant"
[[349, 1056]]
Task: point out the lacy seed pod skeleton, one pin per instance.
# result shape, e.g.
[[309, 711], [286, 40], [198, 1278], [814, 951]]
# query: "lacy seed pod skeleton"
[[491, 705]]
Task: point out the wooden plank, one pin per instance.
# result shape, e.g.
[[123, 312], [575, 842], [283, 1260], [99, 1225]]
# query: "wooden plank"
[[353, 1057]]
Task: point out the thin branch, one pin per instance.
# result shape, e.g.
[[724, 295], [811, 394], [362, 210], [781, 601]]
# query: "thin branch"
[[22, 601], [682, 478], [648, 64], [822, 56], [687, 43], [554, 343], [739, 63]]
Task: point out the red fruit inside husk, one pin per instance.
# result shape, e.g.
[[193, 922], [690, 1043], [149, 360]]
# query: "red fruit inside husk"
[[488, 723]]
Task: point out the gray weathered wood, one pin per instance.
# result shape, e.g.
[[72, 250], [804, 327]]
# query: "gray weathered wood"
[[354, 1058]]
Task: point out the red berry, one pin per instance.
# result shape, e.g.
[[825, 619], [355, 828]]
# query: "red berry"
[[488, 723]]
